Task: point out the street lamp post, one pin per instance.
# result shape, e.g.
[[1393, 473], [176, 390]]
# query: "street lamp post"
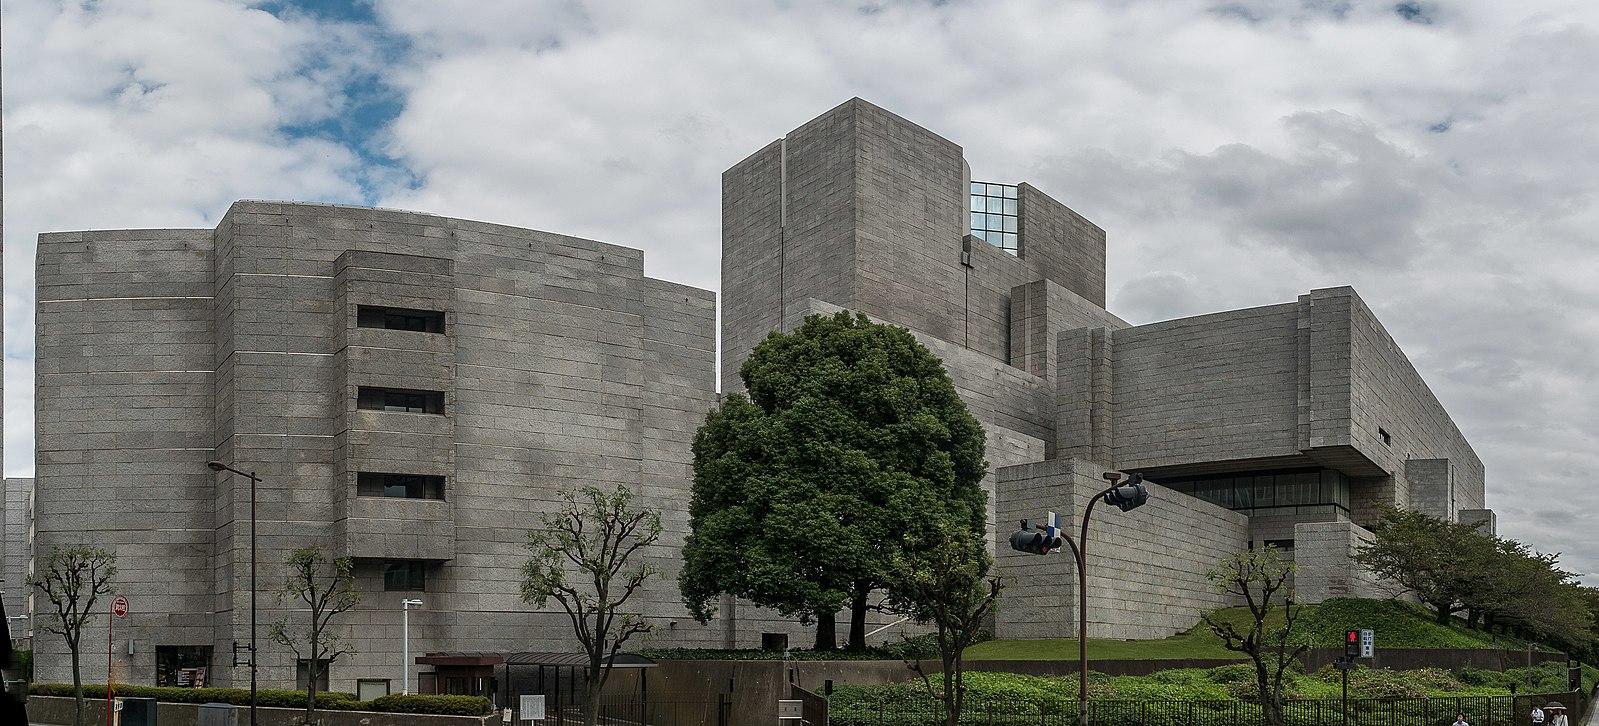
[[1127, 496], [405, 659], [218, 466]]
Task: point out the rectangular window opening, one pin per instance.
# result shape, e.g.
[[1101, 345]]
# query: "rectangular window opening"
[[1387, 439], [405, 575], [182, 666], [370, 398], [1282, 492], [367, 689], [302, 673], [387, 318], [399, 486]]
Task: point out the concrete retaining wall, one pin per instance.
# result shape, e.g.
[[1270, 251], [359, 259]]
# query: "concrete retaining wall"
[[59, 710]]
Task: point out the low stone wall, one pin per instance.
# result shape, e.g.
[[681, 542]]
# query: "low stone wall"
[[1405, 659], [59, 710]]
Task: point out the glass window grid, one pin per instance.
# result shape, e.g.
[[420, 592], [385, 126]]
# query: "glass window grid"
[[1269, 490], [994, 217]]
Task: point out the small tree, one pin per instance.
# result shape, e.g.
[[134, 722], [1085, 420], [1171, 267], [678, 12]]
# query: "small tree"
[[940, 578], [73, 578], [326, 585], [1261, 578], [587, 559]]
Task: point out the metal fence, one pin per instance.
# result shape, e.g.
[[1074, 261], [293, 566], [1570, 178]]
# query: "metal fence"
[[639, 712], [1478, 710]]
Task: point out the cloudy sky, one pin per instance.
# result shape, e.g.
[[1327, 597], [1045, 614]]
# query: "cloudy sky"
[[1440, 156]]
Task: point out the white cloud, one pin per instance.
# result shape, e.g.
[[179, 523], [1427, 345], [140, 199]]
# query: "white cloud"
[[1238, 153], [154, 114]]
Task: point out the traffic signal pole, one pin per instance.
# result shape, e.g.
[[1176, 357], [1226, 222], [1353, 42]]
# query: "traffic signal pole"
[[1127, 497], [1080, 550]]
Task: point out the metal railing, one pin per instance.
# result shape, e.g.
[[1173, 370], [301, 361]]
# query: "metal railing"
[[1440, 711], [651, 712]]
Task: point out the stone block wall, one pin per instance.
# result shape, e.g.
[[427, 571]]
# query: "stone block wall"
[[866, 210], [16, 549], [561, 366], [1324, 556], [1219, 387], [1147, 568], [124, 381], [1388, 396]]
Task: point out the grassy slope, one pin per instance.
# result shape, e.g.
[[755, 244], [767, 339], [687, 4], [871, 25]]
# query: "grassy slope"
[[1398, 625]]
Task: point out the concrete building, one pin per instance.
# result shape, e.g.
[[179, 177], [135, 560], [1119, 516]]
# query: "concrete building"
[[415, 391], [1291, 424], [16, 553]]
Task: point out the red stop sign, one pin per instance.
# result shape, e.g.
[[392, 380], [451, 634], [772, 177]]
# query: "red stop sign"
[[119, 606]]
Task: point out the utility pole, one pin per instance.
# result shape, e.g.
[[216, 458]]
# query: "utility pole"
[[405, 659], [218, 466]]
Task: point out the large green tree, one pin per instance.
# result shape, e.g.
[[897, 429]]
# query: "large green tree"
[[851, 434], [1443, 563]]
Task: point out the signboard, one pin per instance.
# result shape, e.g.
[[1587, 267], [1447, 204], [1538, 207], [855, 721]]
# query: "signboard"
[[532, 708], [119, 607], [1368, 643], [790, 709]]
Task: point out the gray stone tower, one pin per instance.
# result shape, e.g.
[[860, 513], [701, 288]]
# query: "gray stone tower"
[[865, 210]]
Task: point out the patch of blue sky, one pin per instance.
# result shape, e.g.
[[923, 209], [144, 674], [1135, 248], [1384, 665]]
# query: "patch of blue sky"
[[369, 103]]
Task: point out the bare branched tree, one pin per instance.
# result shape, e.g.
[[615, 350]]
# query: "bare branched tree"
[[326, 586], [587, 558], [1263, 578], [73, 578]]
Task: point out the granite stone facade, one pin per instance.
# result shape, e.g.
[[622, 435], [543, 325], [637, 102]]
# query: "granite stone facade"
[[555, 364], [16, 551], [860, 209], [331, 349]]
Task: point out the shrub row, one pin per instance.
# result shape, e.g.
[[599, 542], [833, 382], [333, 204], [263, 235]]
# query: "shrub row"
[[329, 700]]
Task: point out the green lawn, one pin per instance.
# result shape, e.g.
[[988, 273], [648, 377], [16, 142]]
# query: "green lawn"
[[1398, 625]]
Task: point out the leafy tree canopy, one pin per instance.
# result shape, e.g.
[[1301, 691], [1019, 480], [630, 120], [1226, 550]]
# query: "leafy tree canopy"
[[851, 433]]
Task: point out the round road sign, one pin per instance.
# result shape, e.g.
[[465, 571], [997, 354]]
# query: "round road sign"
[[119, 606]]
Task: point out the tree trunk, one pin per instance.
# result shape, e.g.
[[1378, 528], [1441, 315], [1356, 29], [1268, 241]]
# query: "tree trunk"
[[1443, 616], [77, 688], [312, 670], [591, 689], [857, 618], [1269, 709], [952, 690], [826, 638]]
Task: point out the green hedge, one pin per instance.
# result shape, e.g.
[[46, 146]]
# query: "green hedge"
[[329, 700], [419, 703]]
